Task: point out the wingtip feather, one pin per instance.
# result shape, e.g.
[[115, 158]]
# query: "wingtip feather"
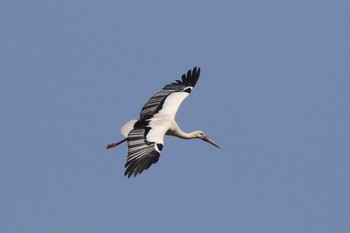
[[191, 77]]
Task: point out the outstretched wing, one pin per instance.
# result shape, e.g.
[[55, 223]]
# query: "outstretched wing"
[[145, 143], [168, 100]]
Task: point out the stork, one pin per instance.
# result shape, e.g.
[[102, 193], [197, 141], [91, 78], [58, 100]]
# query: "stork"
[[145, 136]]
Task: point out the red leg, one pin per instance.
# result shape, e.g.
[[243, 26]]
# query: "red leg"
[[115, 143]]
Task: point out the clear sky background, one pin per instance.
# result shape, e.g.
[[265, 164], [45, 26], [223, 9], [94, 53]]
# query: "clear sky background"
[[274, 93]]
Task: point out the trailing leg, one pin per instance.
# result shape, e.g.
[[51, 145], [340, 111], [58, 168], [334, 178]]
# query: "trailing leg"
[[116, 143]]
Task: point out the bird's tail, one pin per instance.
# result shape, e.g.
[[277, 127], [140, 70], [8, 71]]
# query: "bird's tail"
[[125, 130]]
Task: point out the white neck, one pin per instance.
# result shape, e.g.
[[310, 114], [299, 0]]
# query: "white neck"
[[185, 135]]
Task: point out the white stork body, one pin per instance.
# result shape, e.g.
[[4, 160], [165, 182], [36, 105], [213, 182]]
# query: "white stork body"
[[145, 136]]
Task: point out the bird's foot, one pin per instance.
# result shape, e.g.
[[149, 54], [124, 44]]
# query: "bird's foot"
[[112, 145]]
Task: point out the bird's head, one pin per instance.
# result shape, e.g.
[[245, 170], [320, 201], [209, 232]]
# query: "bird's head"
[[201, 135]]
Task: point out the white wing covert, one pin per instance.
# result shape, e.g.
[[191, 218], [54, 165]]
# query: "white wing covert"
[[168, 100]]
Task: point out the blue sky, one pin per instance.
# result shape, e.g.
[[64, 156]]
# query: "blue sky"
[[273, 93]]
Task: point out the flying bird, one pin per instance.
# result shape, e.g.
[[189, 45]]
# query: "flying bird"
[[145, 136]]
